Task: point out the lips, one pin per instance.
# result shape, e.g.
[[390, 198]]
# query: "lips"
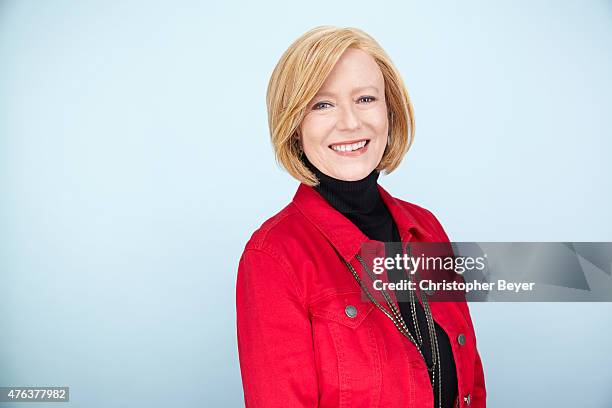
[[349, 145], [350, 148]]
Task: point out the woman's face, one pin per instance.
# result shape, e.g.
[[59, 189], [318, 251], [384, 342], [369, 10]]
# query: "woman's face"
[[344, 132]]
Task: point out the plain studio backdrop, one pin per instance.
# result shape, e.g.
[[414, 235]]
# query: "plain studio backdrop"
[[135, 163]]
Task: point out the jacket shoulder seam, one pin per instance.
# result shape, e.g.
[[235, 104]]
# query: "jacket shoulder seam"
[[261, 240]]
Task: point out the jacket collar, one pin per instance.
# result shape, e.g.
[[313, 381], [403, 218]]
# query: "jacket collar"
[[341, 232]]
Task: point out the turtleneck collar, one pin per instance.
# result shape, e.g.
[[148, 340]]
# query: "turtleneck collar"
[[348, 197]]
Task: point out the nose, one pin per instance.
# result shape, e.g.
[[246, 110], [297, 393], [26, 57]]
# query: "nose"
[[348, 119]]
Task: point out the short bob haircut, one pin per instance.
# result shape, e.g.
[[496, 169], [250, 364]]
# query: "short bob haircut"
[[300, 73]]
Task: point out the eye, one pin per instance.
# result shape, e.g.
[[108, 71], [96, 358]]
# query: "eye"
[[368, 99], [318, 106]]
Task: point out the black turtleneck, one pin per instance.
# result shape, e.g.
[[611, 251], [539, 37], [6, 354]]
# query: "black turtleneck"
[[361, 203]]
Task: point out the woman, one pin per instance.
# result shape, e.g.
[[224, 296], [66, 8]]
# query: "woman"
[[307, 337]]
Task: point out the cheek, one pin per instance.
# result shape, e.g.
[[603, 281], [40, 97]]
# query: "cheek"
[[377, 120], [314, 130], [382, 121], [380, 127]]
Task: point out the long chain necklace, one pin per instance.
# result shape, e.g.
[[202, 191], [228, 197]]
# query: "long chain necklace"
[[400, 324]]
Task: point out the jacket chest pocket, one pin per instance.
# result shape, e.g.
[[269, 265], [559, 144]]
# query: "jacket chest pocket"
[[347, 351]]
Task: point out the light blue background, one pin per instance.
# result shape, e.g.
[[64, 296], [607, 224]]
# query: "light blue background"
[[135, 163]]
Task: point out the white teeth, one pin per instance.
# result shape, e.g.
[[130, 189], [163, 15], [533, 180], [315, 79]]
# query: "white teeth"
[[349, 147]]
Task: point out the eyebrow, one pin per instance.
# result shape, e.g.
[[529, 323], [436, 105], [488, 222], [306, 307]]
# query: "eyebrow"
[[359, 89]]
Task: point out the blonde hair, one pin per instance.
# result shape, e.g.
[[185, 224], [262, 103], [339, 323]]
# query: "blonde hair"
[[300, 73]]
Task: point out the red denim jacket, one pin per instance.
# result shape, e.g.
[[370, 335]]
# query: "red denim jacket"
[[297, 345]]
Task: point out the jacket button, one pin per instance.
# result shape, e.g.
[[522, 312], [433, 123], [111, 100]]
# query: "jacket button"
[[351, 311], [467, 399], [461, 341]]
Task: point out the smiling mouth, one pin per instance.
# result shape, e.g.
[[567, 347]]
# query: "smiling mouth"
[[350, 146]]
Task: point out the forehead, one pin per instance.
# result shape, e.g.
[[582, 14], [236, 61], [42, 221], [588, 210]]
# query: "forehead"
[[356, 70]]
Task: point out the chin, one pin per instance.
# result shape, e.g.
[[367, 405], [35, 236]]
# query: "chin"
[[353, 174]]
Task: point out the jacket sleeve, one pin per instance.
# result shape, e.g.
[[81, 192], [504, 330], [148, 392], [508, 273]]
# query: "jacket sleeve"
[[275, 344]]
